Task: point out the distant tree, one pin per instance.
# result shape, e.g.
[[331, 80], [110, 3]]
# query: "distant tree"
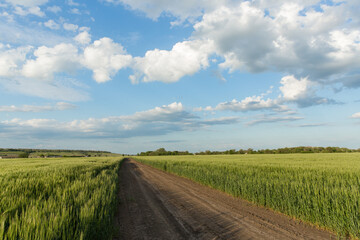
[[24, 155], [250, 151]]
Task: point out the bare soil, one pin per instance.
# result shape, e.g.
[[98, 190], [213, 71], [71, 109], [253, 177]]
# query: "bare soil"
[[158, 205]]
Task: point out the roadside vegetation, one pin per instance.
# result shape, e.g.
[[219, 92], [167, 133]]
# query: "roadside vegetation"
[[163, 152], [301, 149], [323, 189], [58, 198], [50, 153]]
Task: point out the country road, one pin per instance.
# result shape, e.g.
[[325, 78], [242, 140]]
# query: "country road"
[[159, 205]]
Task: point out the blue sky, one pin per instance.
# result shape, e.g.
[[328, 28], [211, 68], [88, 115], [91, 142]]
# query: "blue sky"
[[134, 75]]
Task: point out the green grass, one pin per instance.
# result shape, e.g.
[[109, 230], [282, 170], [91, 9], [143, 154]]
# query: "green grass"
[[323, 189], [58, 198]]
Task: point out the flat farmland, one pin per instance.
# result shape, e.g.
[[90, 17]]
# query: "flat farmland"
[[322, 189], [272, 197], [67, 198]]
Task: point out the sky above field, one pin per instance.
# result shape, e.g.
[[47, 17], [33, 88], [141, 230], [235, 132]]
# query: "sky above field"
[[135, 75]]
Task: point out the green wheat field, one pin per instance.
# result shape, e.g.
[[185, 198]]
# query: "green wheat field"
[[323, 189], [69, 198], [63, 198]]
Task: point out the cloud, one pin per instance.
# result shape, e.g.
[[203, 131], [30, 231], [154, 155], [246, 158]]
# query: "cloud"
[[11, 60], [250, 104], [299, 38], [51, 24], [294, 89], [83, 38], [356, 115], [60, 106], [304, 38], [63, 89], [182, 10], [220, 121], [26, 7], [33, 10], [61, 58], [7, 16], [302, 92], [75, 11], [173, 111], [55, 9], [299, 91], [64, 106], [70, 27], [84, 29], [72, 3], [313, 125], [349, 80], [185, 58], [273, 119], [27, 3], [292, 37], [44, 71], [158, 121], [21, 35], [238, 33], [36, 76], [105, 58]]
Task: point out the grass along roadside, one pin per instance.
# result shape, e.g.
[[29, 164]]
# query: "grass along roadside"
[[58, 198], [323, 189]]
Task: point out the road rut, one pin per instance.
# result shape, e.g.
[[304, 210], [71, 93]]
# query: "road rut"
[[158, 205]]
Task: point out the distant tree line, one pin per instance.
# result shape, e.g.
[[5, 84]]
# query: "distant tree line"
[[163, 152], [301, 149], [26, 152], [29, 150]]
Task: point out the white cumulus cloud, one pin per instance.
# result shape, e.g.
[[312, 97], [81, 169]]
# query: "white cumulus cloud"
[[290, 37], [356, 115], [26, 11], [301, 91], [302, 38], [61, 58], [12, 59], [241, 34], [70, 27], [185, 58], [83, 38], [105, 57], [52, 24], [294, 89]]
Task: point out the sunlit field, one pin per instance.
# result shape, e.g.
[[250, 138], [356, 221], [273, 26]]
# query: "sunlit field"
[[323, 189], [69, 198]]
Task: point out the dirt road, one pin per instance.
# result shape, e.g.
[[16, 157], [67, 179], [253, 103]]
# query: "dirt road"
[[158, 205]]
